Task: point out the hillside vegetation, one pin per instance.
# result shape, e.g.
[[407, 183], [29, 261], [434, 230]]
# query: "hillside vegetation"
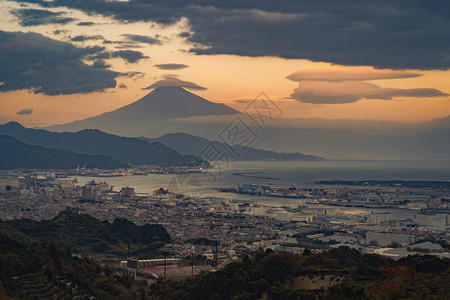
[[89, 236], [36, 271], [37, 262], [340, 273]]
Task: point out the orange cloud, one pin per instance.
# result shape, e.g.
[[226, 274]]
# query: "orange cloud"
[[339, 84], [341, 73]]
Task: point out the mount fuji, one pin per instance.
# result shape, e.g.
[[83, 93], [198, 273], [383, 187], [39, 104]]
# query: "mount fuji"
[[152, 115]]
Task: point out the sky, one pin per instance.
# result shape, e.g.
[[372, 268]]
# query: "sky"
[[66, 60]]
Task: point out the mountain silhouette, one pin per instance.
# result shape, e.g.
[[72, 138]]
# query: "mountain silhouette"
[[152, 115], [96, 142], [190, 144], [15, 154]]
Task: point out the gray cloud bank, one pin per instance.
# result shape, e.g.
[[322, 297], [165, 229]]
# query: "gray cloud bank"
[[171, 66], [35, 17], [386, 34], [142, 39], [43, 65], [130, 56], [84, 38], [25, 111], [85, 23]]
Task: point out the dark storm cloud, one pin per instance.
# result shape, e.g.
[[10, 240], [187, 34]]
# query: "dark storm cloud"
[[34, 17], [127, 46], [83, 38], [172, 81], [142, 39], [43, 65], [134, 74], [389, 34], [123, 44], [85, 23], [25, 111], [101, 64], [184, 34], [60, 31], [171, 66], [99, 55], [42, 3], [384, 35], [130, 56]]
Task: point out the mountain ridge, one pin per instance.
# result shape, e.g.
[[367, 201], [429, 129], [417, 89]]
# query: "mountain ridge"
[[17, 155], [96, 142], [190, 144]]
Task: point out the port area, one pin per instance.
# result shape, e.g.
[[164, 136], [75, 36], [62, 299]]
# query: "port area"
[[415, 195]]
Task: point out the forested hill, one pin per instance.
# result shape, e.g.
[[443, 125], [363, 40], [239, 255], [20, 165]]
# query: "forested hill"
[[340, 273], [35, 271], [87, 235]]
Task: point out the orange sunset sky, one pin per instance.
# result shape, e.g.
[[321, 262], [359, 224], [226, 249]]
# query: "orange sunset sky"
[[315, 89]]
